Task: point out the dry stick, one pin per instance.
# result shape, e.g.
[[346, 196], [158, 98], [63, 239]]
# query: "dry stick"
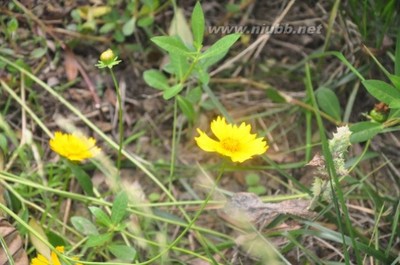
[[276, 22], [260, 41]]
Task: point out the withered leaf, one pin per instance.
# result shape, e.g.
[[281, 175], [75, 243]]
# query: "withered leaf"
[[14, 247]]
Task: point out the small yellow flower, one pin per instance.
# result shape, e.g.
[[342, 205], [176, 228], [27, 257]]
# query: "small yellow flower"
[[74, 147], [234, 141], [42, 260], [108, 59]]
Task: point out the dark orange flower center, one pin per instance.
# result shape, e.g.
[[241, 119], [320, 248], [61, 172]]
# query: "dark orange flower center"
[[230, 144]]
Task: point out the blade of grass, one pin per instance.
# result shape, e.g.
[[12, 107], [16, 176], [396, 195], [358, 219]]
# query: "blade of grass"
[[395, 228], [334, 181]]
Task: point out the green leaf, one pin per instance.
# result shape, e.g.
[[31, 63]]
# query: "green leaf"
[[101, 217], [194, 95], [172, 45], [55, 239], [83, 178], [274, 95], [3, 143], [395, 79], [328, 102], [186, 107], [221, 46], [38, 53], [180, 65], [252, 179], [208, 62], [198, 25], [364, 131], [119, 207], [12, 25], [394, 113], [98, 240], [129, 27], [383, 92], [106, 28], [172, 91], [203, 75], [156, 79], [84, 226], [122, 252], [118, 36], [259, 190], [145, 21]]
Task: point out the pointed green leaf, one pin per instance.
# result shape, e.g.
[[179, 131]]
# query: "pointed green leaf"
[[383, 92], [221, 46], [180, 65], [129, 27], [122, 252], [98, 240], [328, 102], [395, 79], [172, 45], [198, 25], [83, 178], [101, 217], [156, 79], [364, 131], [84, 226], [194, 95], [172, 91], [274, 95], [186, 107], [119, 207]]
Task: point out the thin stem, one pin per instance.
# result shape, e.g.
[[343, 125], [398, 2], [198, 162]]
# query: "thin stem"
[[191, 223], [173, 151], [120, 120]]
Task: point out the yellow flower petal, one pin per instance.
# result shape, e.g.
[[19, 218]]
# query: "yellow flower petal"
[[74, 147], [41, 260], [205, 142], [236, 142]]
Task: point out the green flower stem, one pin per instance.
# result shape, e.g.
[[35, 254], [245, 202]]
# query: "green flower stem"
[[120, 119], [191, 223]]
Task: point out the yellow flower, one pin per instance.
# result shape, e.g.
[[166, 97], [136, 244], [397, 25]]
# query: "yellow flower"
[[234, 141], [108, 59], [42, 260], [74, 147]]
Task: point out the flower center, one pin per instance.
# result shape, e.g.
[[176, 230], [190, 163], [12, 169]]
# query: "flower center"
[[230, 144]]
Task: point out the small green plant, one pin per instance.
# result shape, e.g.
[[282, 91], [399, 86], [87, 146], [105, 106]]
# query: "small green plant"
[[186, 61], [254, 185], [385, 114], [101, 234]]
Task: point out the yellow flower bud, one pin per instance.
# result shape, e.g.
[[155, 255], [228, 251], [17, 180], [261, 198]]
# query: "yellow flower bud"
[[107, 57]]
